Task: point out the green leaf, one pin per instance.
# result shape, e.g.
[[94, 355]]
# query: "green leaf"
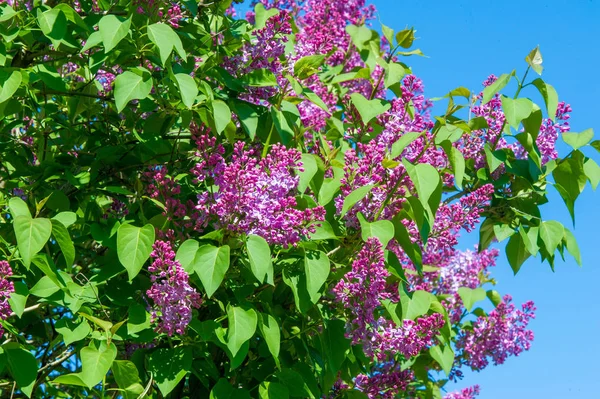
[[592, 171], [248, 117], [139, 319], [354, 197], [388, 33], [224, 390], [96, 360], [270, 331], [134, 245], [393, 74], [570, 180], [471, 296], [516, 110], [44, 287], [260, 78], [23, 367], [335, 343], [272, 390], [458, 165], [222, 115], [572, 247], [53, 23], [9, 84], [307, 66], [516, 252], [403, 142], [18, 207], [578, 140], [66, 218], [62, 237], [551, 233], [413, 250], [310, 169], [427, 182], [550, 97], [494, 297], [242, 326], [499, 84], [18, 299], [169, 366], [32, 235], [72, 330], [368, 109], [70, 379], [444, 355], [186, 254], [405, 38], [211, 264], [165, 38], [262, 15], [383, 230], [259, 255], [534, 59], [316, 267], [416, 306], [187, 88], [112, 30], [128, 379], [131, 86], [294, 383]]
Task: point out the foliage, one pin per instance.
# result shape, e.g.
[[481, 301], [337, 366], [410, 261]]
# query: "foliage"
[[198, 205]]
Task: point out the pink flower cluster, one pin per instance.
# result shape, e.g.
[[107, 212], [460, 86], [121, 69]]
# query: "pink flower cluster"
[[6, 289], [501, 334], [255, 195], [171, 292], [361, 291], [385, 382], [467, 393]]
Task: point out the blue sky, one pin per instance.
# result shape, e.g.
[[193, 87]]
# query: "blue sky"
[[465, 42]]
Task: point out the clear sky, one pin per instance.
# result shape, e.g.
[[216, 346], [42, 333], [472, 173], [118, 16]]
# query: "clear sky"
[[465, 42]]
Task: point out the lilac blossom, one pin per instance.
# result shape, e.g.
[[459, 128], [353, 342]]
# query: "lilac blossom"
[[171, 292], [6, 289], [466, 393]]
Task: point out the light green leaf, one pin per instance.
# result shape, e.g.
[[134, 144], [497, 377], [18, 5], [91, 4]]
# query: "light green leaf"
[[18, 299], [270, 331], [368, 109], [221, 114], [169, 366], [186, 254], [317, 268], [263, 15], [471, 296], [416, 306], [427, 182], [516, 110], [134, 245], [128, 379], [572, 247], [242, 326], [550, 96], [131, 86], [403, 142], [72, 330], [458, 165], [66, 218], [516, 252], [310, 168], [534, 59], [113, 29], [9, 84], [592, 171], [96, 360], [383, 230], [187, 88], [211, 264], [259, 255], [32, 235], [578, 140], [354, 197], [166, 39], [260, 77], [393, 74], [307, 66], [551, 233], [53, 23], [444, 356], [18, 207], [499, 84], [44, 287], [139, 319], [62, 237]]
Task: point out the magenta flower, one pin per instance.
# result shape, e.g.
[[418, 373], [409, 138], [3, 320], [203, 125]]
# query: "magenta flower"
[[6, 289]]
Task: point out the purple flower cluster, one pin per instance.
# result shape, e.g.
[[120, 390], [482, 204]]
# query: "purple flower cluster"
[[171, 292], [501, 334], [6, 289], [466, 393], [384, 383], [254, 195]]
